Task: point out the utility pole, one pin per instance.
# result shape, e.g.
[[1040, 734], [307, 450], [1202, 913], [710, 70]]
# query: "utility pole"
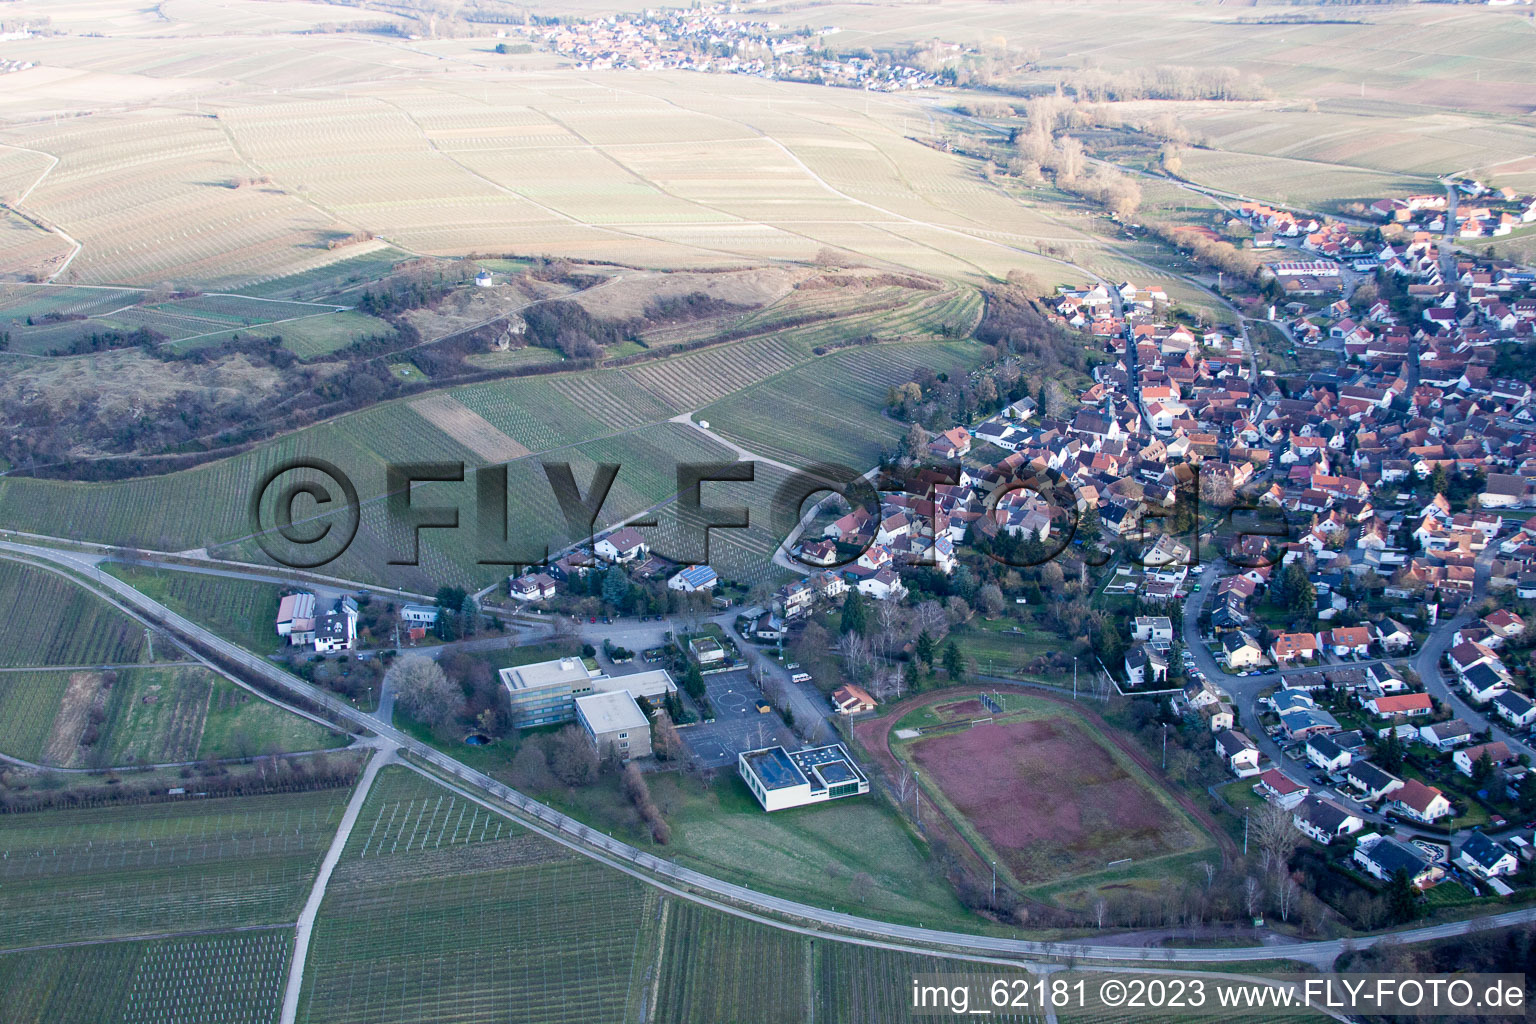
[[1245, 831], [1074, 677], [1165, 746], [994, 885]]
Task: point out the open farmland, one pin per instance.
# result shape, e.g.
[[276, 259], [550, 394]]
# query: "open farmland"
[[181, 713], [1048, 798], [234, 977], [244, 611], [469, 927], [51, 621], [120, 871], [1323, 187], [712, 966]]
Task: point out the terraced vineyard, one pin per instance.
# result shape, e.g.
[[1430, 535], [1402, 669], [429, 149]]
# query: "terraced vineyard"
[[698, 378], [115, 871], [832, 408], [51, 621], [235, 978]]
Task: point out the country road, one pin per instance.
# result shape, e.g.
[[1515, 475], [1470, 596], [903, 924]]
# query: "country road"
[[727, 896]]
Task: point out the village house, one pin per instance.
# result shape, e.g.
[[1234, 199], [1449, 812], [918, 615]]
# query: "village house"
[[1446, 735], [1410, 704], [1383, 856], [694, 579], [1327, 754], [1240, 753], [624, 545], [1279, 788], [1485, 857], [852, 700], [1145, 665], [1515, 708], [1323, 820], [1370, 781], [1240, 652], [1466, 759], [1420, 802]]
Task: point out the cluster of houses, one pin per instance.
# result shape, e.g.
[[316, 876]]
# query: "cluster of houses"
[[625, 546], [710, 38], [1342, 756], [302, 623], [1482, 212], [1325, 820]]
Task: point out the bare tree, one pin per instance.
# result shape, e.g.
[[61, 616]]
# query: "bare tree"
[[1100, 906], [903, 785], [1287, 892], [1210, 874], [422, 690], [930, 618], [856, 655], [1252, 891], [572, 759], [1277, 836]]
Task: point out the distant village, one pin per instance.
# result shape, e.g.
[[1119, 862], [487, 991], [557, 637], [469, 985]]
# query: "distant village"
[[710, 39]]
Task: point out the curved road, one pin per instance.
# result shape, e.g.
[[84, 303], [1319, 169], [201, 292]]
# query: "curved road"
[[595, 844]]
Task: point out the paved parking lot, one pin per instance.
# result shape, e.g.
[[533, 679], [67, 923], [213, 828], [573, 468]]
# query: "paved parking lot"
[[738, 725]]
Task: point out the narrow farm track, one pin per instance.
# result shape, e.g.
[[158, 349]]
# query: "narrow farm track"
[[726, 896], [306, 924]]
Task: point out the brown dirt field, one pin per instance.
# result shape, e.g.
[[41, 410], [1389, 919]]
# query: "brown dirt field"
[[1048, 798], [873, 736], [960, 710], [74, 714], [468, 428]]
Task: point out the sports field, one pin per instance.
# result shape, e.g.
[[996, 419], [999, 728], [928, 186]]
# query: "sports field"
[[1043, 794]]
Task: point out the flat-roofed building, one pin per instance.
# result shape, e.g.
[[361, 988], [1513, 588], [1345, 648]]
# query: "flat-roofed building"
[[615, 724], [546, 692], [649, 687], [781, 779]]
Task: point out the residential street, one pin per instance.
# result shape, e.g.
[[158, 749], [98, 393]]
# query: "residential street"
[[1245, 689]]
